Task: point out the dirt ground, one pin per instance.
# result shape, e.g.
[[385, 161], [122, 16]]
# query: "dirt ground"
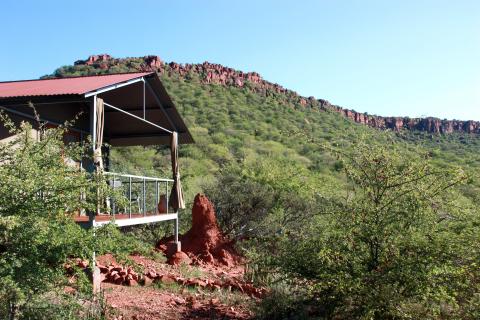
[[148, 303], [160, 300]]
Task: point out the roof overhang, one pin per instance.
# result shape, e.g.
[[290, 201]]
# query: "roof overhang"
[[113, 86], [138, 109]]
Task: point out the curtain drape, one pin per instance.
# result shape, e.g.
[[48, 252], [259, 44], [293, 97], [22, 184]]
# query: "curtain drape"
[[97, 153], [176, 196]]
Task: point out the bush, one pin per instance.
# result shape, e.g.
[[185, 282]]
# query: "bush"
[[241, 204], [37, 236], [260, 198], [384, 250]]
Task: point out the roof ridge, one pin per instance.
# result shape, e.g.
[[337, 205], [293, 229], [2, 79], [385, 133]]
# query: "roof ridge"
[[73, 77]]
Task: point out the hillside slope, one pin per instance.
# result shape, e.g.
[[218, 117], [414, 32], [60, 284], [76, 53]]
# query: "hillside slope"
[[239, 117]]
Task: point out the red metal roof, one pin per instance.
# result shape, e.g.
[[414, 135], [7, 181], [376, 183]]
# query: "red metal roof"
[[61, 86]]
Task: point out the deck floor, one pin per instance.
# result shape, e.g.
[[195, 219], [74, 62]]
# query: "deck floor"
[[108, 217]]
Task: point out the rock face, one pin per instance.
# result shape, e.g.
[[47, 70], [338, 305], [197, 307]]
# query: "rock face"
[[152, 63], [210, 73], [94, 59], [204, 241], [430, 124]]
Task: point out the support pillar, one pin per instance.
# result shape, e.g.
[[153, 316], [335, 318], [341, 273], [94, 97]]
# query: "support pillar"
[[177, 242], [176, 245]]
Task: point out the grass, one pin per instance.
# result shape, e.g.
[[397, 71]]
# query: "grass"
[[188, 271]]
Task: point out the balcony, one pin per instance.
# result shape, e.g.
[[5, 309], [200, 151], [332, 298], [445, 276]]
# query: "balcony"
[[144, 200]]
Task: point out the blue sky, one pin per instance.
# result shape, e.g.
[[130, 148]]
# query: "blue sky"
[[392, 58]]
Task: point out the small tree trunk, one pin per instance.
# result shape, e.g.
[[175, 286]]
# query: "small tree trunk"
[[12, 315]]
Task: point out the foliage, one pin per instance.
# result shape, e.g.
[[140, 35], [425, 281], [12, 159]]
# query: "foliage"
[[38, 194], [110, 239], [254, 199], [241, 204], [384, 249]]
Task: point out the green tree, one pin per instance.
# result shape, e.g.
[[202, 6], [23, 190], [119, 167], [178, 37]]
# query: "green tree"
[[38, 190], [376, 252]]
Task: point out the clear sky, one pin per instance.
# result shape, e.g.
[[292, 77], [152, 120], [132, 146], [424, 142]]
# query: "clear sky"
[[386, 57]]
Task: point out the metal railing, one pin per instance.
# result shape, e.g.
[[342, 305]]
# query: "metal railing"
[[143, 193]]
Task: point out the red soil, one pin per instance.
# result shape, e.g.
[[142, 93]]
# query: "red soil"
[[194, 298], [146, 303]]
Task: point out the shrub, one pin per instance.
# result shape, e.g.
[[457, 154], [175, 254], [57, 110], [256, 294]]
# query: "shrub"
[[259, 198], [37, 235], [381, 252], [241, 204]]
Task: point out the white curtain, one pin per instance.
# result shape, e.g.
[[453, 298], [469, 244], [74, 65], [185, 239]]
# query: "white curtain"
[[176, 196], [97, 153]]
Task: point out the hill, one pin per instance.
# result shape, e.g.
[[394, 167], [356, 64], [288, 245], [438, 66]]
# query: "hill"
[[239, 117]]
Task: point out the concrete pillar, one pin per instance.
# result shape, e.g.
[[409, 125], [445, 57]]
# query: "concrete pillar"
[[96, 279]]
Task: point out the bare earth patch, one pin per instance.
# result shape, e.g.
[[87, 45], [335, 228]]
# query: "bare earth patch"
[[165, 297], [170, 301]]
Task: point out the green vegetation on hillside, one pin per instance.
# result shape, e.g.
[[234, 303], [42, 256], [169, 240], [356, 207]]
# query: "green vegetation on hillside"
[[396, 244], [239, 125], [360, 235]]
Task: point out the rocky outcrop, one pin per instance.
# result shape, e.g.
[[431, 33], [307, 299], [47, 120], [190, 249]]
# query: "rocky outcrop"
[[429, 124], [115, 273], [152, 63], [94, 59], [123, 275], [179, 258], [211, 73]]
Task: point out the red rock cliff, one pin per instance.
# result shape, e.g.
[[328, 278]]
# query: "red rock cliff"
[[210, 73]]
